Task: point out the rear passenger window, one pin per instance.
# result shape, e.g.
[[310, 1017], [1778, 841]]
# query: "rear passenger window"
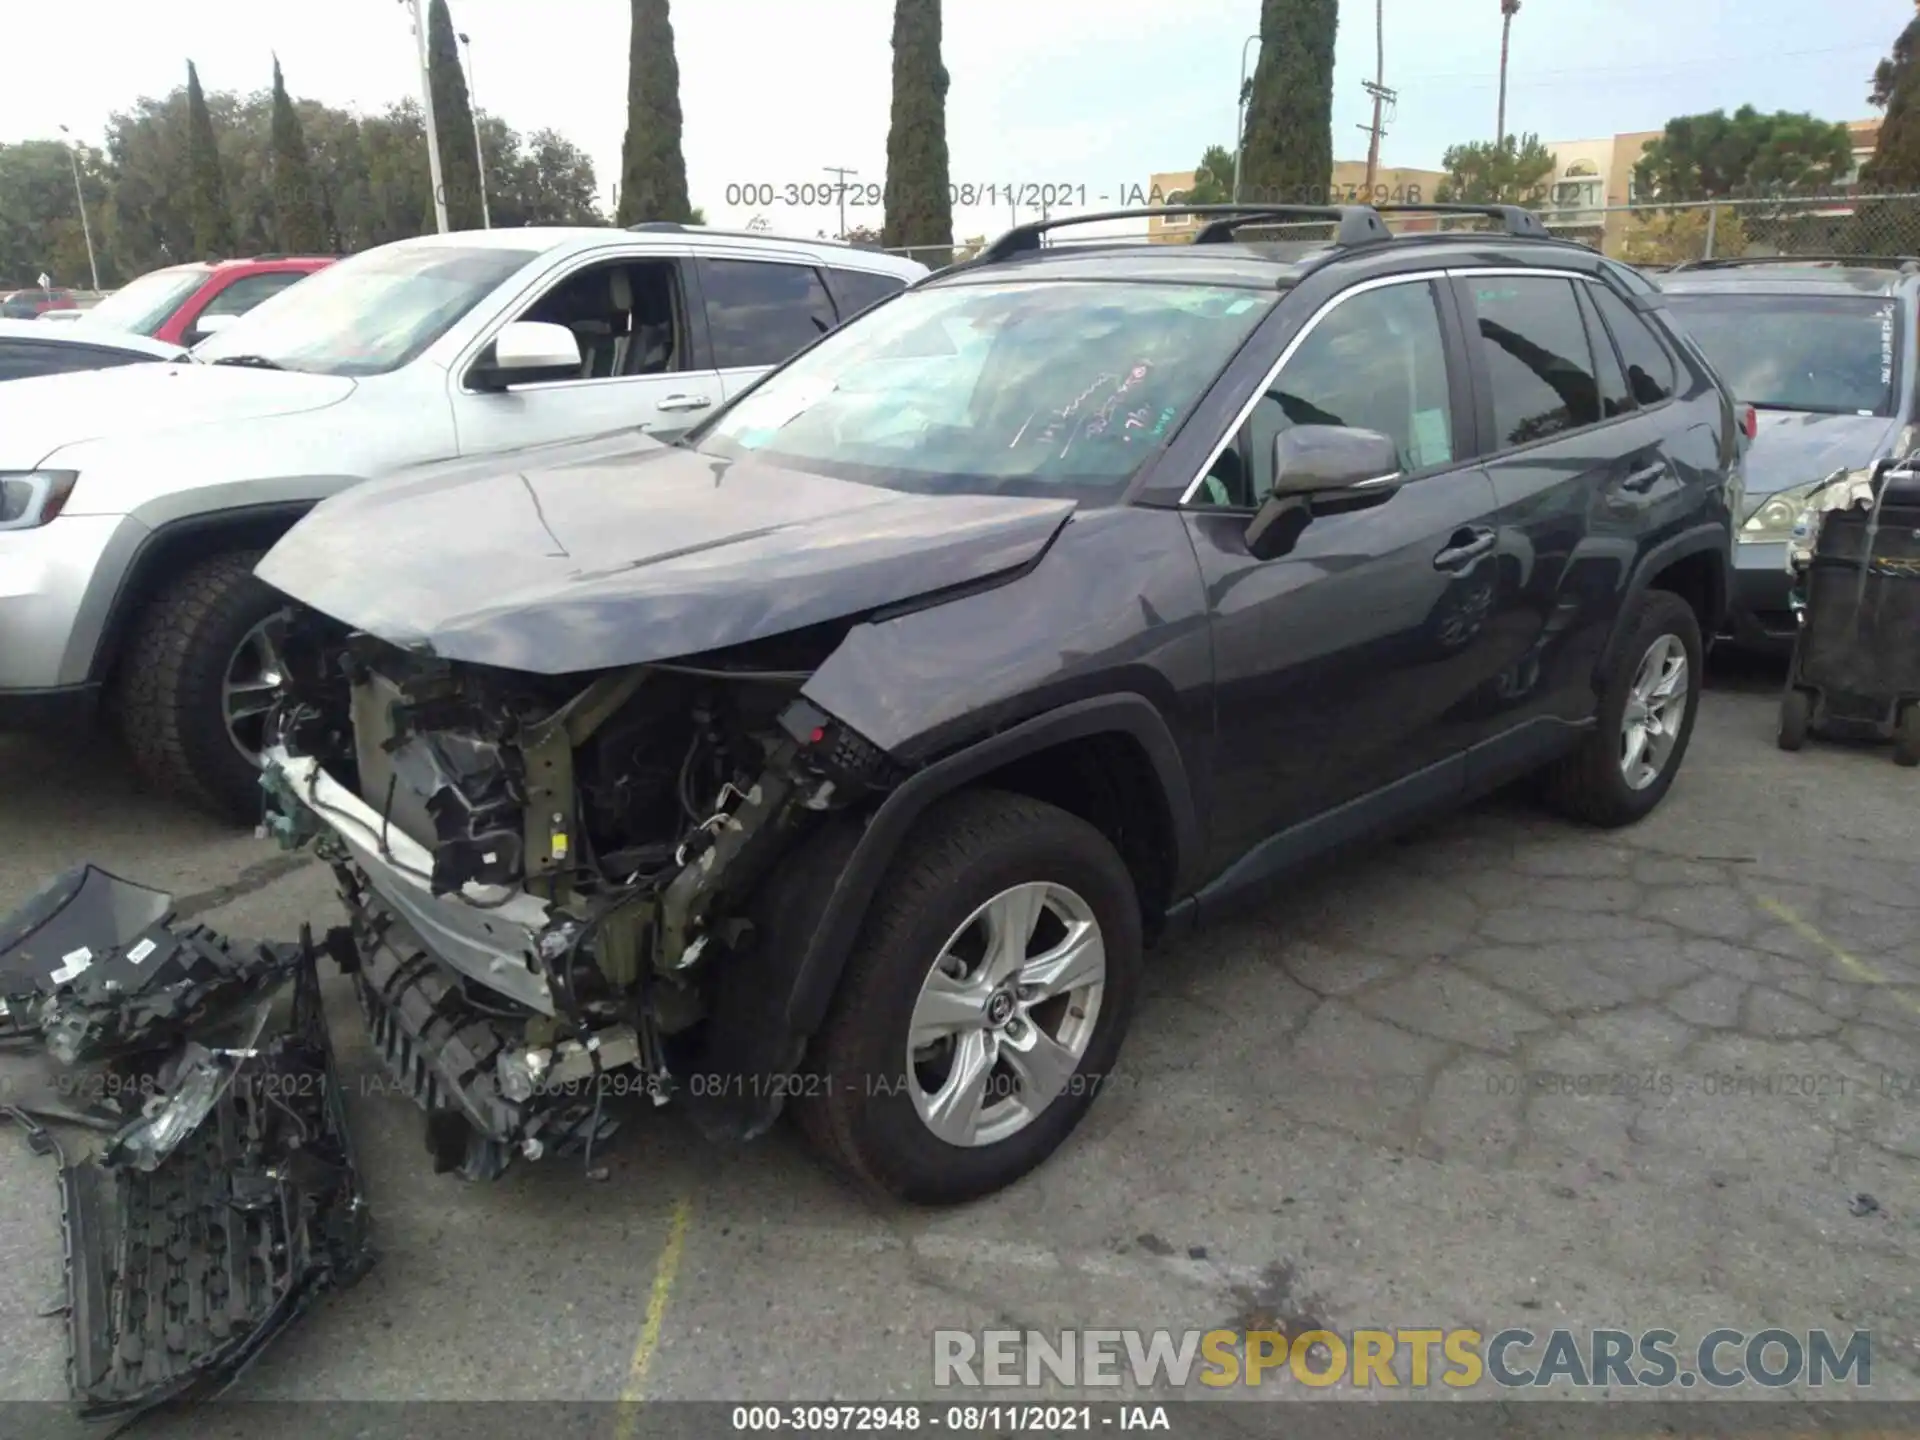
[[1614, 399], [759, 313], [855, 290], [1538, 360], [1649, 367]]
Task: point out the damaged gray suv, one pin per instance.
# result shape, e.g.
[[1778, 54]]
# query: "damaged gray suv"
[[844, 754]]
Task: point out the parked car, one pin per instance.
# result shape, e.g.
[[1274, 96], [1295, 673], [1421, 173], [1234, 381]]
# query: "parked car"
[[31, 304], [169, 483], [186, 303], [1824, 349], [30, 347], [848, 748]]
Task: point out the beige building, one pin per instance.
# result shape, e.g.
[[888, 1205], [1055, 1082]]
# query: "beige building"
[[1591, 180]]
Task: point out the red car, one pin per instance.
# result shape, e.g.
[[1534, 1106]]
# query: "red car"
[[176, 303], [31, 304]]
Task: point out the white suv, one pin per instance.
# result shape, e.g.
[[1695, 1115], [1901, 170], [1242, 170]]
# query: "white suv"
[[135, 501]]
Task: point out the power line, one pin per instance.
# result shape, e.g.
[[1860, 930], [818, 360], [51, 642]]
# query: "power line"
[[1717, 62]]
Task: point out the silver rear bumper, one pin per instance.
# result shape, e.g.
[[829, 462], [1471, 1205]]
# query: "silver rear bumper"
[[491, 940]]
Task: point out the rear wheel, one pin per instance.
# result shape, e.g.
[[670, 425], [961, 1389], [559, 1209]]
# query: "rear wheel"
[[984, 1005], [1649, 698], [1796, 719], [201, 672]]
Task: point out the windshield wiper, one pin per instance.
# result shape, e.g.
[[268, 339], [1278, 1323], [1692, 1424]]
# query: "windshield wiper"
[[257, 362]]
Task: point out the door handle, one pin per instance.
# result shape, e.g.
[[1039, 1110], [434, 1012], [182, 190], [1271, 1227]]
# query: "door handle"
[[684, 402], [1466, 545], [1645, 478]]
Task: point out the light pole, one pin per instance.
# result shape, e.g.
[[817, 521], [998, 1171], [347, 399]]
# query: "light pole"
[[418, 7], [1508, 9], [1240, 115], [80, 199], [479, 151], [840, 174]]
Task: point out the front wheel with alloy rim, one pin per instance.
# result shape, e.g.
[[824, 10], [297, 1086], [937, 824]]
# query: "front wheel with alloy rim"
[[1650, 695], [201, 671], [984, 1004]]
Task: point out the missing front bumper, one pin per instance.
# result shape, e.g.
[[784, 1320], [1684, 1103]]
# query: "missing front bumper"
[[227, 1199]]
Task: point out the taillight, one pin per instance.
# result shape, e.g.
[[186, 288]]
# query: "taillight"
[[1750, 420]]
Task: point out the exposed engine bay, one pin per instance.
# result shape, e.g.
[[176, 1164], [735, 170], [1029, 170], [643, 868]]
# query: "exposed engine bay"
[[551, 880]]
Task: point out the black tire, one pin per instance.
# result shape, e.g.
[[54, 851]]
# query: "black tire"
[[1906, 736], [856, 1110], [1588, 785], [167, 696], [1796, 719]]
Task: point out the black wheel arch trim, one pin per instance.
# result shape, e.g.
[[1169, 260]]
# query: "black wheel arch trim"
[[1711, 538], [832, 941], [251, 520]]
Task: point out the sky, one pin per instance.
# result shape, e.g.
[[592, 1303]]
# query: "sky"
[[1088, 96]]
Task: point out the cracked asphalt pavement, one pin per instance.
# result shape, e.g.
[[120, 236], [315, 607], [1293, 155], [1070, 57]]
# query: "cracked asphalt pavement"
[[1501, 1072]]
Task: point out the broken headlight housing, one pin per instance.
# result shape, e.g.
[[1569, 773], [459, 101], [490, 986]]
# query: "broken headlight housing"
[[1773, 519], [30, 498]]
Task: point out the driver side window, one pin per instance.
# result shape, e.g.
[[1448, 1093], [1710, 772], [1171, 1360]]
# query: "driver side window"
[[628, 316], [1375, 361]]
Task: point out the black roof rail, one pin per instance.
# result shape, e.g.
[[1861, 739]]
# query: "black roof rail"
[[1514, 219], [1906, 264], [1359, 224]]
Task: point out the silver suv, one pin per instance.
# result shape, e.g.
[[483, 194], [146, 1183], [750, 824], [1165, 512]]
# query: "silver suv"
[[135, 501]]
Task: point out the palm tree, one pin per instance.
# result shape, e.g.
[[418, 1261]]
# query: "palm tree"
[[1508, 9]]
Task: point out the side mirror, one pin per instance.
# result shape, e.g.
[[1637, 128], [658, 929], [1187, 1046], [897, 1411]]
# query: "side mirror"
[[526, 352], [1325, 462], [1309, 459], [208, 325]]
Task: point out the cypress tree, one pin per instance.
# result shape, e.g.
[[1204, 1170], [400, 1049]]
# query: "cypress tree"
[[918, 199], [298, 226], [207, 198], [452, 121], [1288, 155], [1895, 164], [653, 171]]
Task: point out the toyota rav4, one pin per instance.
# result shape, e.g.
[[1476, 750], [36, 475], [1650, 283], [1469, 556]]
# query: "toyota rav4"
[[849, 749]]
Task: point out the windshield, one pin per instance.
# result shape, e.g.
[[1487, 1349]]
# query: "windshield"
[[1036, 388], [368, 314], [143, 305], [1828, 353]]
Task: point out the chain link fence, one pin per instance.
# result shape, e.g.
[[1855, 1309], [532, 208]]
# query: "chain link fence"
[[1652, 236]]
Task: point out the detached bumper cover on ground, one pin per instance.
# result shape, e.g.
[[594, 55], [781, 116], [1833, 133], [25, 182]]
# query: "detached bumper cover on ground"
[[229, 1200]]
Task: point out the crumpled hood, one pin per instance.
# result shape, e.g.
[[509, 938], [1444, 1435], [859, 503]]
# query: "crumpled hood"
[[47, 413], [624, 551], [1797, 447]]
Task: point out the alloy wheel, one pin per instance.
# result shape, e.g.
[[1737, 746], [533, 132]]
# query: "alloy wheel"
[[1005, 1014], [251, 685], [1656, 712]]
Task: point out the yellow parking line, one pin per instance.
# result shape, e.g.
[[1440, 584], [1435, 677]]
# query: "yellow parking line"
[[1806, 931], [664, 1271]]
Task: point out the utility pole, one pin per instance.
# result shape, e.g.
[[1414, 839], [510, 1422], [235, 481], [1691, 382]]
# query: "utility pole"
[[1240, 115], [1508, 9], [80, 199], [840, 173], [1377, 88], [479, 150], [419, 9]]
